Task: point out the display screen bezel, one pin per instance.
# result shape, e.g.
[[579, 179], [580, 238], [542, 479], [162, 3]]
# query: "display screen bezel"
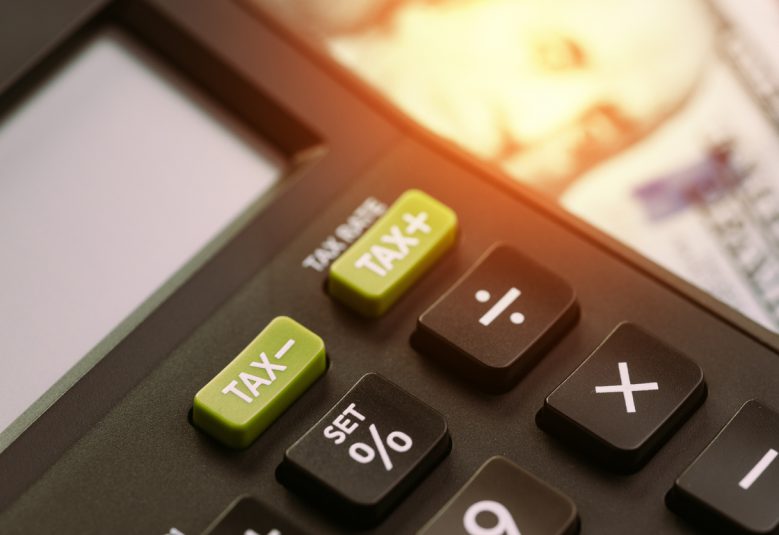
[[77, 400], [138, 64]]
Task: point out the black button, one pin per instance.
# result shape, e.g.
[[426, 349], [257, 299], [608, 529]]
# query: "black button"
[[501, 498], [372, 447], [247, 516], [733, 486], [625, 400], [497, 320]]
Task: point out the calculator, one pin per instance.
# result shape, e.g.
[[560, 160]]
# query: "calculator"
[[326, 319]]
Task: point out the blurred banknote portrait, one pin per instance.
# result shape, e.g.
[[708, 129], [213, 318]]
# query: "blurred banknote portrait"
[[544, 89]]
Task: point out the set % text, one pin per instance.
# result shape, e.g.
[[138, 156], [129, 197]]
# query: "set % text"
[[349, 420]]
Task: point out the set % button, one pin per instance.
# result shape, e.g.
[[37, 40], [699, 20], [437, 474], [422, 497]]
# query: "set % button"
[[367, 452], [363, 453]]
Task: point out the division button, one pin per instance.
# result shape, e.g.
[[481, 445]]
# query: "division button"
[[372, 448], [625, 400], [260, 383], [733, 486], [497, 320], [502, 498], [247, 516], [401, 246]]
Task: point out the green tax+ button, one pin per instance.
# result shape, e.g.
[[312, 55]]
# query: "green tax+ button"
[[260, 383], [393, 254]]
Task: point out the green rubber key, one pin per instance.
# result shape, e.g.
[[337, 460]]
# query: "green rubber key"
[[260, 383], [379, 267]]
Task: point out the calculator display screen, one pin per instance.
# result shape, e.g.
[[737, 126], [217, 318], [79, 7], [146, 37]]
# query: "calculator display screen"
[[656, 122], [117, 180]]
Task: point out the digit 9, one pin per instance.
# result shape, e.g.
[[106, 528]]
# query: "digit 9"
[[505, 522]]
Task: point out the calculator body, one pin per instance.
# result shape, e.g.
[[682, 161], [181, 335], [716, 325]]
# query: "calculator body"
[[117, 451]]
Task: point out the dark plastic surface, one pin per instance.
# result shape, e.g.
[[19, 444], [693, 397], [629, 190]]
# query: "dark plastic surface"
[[31, 29]]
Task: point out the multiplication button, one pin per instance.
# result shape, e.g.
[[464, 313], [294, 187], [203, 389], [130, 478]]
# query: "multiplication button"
[[733, 486], [625, 400], [503, 499], [497, 320], [372, 447], [260, 383]]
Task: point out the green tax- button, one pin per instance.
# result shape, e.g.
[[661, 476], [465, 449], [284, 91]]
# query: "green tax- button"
[[260, 383], [374, 272]]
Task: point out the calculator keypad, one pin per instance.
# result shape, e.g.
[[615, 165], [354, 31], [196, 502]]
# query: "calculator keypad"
[[378, 442]]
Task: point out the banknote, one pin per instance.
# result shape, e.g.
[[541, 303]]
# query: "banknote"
[[656, 122]]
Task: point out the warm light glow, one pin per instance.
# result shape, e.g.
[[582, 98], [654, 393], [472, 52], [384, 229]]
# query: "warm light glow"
[[545, 89]]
